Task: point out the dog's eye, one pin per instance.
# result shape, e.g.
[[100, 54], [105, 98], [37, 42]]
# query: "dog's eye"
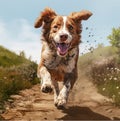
[[70, 27], [55, 26]]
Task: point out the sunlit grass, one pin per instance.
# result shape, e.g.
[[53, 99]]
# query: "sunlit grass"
[[8, 58]]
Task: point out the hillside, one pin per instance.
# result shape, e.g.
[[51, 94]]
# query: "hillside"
[[8, 58], [96, 55], [16, 73]]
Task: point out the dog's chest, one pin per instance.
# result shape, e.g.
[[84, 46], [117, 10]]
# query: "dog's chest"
[[66, 64]]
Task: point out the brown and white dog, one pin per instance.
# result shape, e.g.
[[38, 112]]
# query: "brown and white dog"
[[60, 51]]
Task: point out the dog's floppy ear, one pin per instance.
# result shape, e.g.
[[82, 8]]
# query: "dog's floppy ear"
[[46, 16], [82, 15]]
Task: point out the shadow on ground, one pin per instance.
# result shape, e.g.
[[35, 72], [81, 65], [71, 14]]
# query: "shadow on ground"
[[82, 113]]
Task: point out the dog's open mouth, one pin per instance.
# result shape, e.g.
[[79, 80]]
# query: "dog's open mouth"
[[62, 48]]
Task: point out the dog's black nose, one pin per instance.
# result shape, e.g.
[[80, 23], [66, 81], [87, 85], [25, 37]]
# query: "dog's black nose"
[[63, 37]]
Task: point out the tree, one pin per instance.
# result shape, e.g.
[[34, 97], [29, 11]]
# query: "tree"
[[114, 38]]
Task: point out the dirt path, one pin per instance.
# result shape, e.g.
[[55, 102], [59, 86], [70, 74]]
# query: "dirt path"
[[84, 103]]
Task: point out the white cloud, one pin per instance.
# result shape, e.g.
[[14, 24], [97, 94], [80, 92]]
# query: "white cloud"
[[3, 32], [18, 36]]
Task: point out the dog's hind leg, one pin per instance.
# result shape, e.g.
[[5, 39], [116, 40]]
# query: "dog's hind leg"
[[46, 82]]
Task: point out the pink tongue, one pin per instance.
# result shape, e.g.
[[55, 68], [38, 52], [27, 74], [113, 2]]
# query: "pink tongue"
[[62, 48]]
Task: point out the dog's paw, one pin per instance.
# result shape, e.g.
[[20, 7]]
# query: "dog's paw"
[[46, 88], [60, 102]]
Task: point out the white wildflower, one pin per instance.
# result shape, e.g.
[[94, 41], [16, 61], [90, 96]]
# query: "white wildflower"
[[116, 68], [115, 78], [105, 79], [110, 78], [103, 89], [113, 97], [107, 68], [117, 87], [5, 77]]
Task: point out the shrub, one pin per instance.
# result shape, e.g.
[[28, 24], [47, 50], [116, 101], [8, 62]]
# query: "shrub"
[[16, 73], [16, 78], [106, 77]]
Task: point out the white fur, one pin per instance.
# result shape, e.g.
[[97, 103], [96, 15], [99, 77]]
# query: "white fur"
[[45, 77], [63, 95], [62, 31]]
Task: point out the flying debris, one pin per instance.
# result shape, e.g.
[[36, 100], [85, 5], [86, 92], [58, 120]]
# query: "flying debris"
[[86, 28]]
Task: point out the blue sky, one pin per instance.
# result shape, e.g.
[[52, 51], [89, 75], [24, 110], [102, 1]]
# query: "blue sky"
[[17, 18]]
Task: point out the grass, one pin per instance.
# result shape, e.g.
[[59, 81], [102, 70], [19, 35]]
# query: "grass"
[[16, 73], [107, 78], [8, 58], [14, 78], [99, 53], [104, 70]]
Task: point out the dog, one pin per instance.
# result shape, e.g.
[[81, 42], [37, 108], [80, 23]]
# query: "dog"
[[61, 36]]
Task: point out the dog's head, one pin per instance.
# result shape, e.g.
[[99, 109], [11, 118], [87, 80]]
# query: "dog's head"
[[61, 31]]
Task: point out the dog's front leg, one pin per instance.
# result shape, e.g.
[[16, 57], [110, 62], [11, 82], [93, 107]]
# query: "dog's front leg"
[[56, 91], [46, 83], [63, 95]]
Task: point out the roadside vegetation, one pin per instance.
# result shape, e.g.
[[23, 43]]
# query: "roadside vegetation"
[[102, 66], [107, 78], [16, 73]]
